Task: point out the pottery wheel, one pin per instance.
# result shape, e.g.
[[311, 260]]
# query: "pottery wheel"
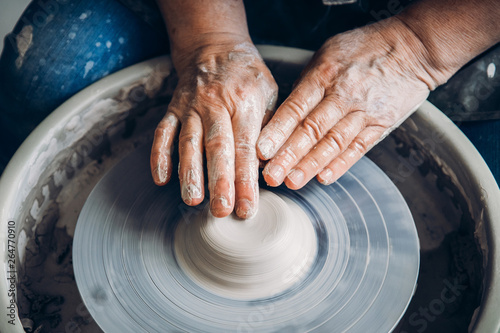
[[332, 258]]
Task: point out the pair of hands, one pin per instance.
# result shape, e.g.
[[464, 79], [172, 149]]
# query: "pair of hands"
[[357, 88]]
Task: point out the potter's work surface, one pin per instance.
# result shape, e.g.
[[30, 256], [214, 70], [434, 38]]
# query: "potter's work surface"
[[144, 261]]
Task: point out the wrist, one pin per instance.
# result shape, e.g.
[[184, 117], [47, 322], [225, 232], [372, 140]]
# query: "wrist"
[[202, 47], [410, 52], [451, 32], [437, 60], [194, 25]]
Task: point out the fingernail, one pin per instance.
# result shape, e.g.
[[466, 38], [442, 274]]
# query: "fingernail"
[[296, 176], [244, 209], [265, 147], [190, 192], [276, 172], [326, 176]]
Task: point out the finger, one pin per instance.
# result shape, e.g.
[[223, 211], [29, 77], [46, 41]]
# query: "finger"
[[246, 132], [161, 152], [336, 141], [369, 137], [191, 160], [305, 136], [219, 143], [301, 101]]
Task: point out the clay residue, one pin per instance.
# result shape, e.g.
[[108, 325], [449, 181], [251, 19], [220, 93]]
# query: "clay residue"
[[23, 43], [447, 293], [59, 178]]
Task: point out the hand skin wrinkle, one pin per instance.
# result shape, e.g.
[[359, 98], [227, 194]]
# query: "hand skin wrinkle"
[[216, 131], [357, 75], [380, 71]]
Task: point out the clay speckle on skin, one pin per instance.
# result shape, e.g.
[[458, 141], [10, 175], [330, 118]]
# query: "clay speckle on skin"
[[161, 168], [191, 191], [223, 201], [215, 131], [191, 186], [225, 166]]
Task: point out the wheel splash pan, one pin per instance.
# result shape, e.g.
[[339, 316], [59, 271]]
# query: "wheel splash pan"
[[452, 195]]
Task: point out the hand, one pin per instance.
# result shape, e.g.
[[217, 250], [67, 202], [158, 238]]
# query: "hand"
[[223, 93], [357, 88]]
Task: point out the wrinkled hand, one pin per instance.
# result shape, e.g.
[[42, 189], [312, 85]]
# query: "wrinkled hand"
[[357, 88], [223, 93]]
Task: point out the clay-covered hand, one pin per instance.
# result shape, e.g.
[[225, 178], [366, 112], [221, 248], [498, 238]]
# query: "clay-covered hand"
[[357, 88], [223, 93]]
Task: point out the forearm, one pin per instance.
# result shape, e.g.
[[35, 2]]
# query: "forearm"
[[192, 22], [453, 31]]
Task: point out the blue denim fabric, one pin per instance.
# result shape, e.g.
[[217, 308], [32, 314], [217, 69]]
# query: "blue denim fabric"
[[68, 45]]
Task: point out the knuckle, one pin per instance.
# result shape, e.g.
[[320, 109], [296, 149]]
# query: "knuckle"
[[360, 145], [313, 163], [217, 131], [191, 139], [219, 148], [247, 177], [245, 149], [291, 154], [336, 139], [296, 108], [337, 103], [327, 70], [342, 163], [313, 129], [211, 94], [287, 157]]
